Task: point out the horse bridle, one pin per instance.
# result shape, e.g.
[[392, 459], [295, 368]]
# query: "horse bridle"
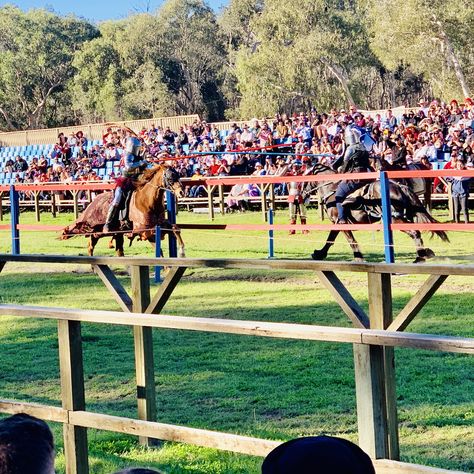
[[170, 176]]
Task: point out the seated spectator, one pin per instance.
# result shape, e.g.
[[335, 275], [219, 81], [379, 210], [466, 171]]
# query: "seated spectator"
[[26, 446], [237, 200], [318, 455], [9, 165], [20, 165]]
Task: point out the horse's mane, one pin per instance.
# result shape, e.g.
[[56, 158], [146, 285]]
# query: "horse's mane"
[[320, 168], [148, 175]]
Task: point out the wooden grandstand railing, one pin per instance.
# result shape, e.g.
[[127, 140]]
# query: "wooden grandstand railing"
[[373, 336], [91, 131]]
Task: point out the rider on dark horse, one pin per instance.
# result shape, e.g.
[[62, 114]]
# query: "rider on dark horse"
[[355, 160], [133, 168]]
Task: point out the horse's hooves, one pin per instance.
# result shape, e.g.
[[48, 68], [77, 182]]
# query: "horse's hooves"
[[359, 260], [419, 260], [430, 253], [318, 255]]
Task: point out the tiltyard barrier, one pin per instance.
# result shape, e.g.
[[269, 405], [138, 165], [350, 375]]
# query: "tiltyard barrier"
[[374, 336], [266, 186]]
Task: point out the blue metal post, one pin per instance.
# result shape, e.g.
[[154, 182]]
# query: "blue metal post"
[[271, 253], [15, 220], [386, 217], [157, 253], [171, 208]]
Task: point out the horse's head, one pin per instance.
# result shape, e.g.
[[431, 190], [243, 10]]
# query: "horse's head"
[[172, 182]]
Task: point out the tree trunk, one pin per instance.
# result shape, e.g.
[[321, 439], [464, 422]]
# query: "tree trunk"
[[341, 76], [452, 57], [7, 119]]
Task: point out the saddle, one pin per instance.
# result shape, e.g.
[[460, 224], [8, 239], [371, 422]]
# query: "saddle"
[[360, 199]]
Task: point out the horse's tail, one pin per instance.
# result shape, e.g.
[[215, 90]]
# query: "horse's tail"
[[420, 214]]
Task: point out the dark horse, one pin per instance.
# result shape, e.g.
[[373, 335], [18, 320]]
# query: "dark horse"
[[147, 209], [364, 206], [420, 186]]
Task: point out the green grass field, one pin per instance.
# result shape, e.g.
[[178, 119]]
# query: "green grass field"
[[276, 389]]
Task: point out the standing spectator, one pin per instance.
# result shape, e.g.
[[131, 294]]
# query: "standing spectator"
[[460, 193]]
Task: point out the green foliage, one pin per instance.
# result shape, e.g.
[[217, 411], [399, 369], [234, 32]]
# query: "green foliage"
[[36, 52], [429, 37], [257, 57]]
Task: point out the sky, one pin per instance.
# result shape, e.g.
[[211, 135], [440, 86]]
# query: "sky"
[[98, 10]]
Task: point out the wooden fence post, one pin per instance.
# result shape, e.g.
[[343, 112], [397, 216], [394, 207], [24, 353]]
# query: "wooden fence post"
[[72, 395], [143, 343], [381, 316], [375, 378]]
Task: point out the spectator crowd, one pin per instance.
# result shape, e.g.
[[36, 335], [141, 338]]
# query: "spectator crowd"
[[434, 133]]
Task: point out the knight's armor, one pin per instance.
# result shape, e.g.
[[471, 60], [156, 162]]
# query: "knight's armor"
[[356, 160], [133, 163], [133, 167]]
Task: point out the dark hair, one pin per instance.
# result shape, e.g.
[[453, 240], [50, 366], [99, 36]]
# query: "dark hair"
[[137, 470], [26, 446], [317, 455]]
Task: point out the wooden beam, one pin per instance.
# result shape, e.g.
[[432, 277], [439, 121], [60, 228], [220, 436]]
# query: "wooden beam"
[[165, 290], [45, 412], [181, 434], [414, 306], [114, 286], [370, 395], [386, 466], [264, 264], [221, 199], [210, 200], [254, 328], [143, 344], [344, 299], [72, 395], [380, 311]]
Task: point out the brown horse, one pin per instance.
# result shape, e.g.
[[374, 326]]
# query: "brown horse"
[[147, 210], [364, 206]]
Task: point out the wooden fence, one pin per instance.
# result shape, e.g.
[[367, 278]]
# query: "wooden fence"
[[373, 336], [91, 131]]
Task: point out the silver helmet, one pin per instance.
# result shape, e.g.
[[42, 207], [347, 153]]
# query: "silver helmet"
[[352, 135]]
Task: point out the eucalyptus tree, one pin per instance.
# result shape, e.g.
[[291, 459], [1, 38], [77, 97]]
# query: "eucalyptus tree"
[[431, 37], [36, 54]]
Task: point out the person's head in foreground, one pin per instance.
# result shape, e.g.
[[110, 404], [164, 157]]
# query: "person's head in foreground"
[[137, 470], [26, 446], [318, 455]]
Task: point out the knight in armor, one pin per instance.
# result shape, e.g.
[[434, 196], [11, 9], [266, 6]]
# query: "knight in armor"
[[354, 160], [133, 168]]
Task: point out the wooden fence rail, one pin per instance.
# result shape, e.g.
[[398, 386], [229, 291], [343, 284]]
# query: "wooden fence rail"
[[373, 337]]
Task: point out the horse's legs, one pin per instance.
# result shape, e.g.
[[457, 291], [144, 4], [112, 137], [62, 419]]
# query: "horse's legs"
[[119, 245], [111, 243], [91, 245], [358, 257], [177, 234], [323, 253], [422, 253]]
